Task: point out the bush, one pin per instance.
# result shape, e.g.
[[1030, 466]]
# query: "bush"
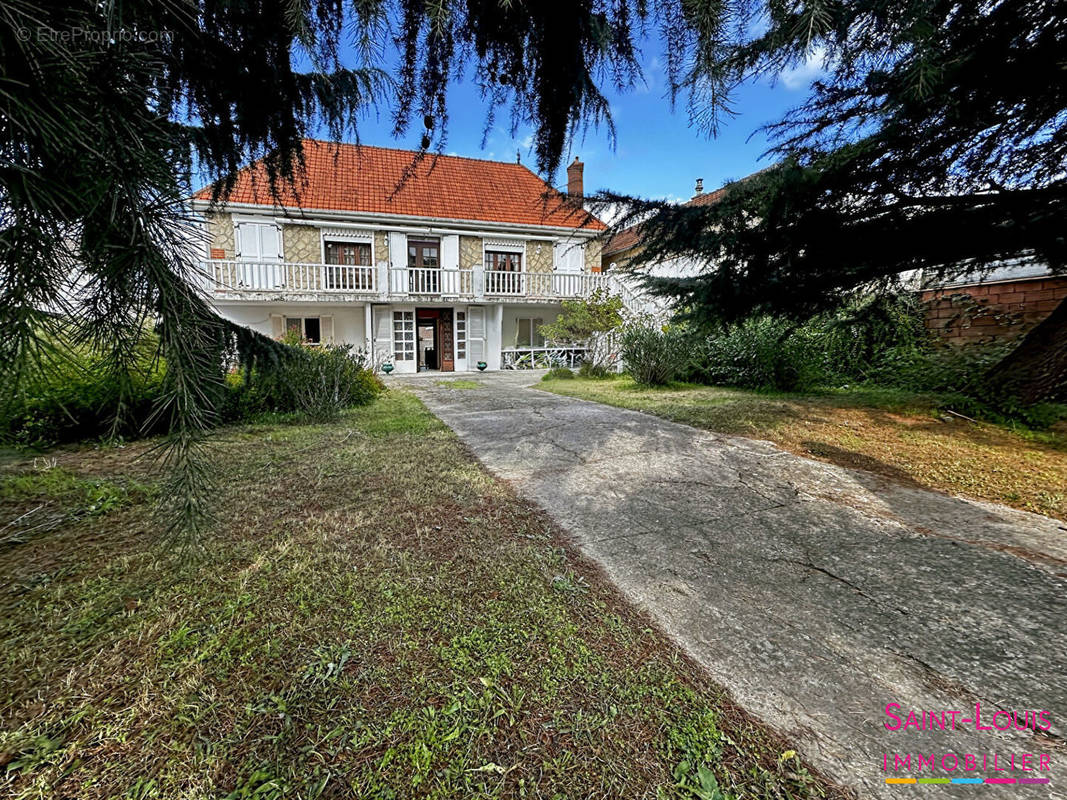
[[74, 395], [318, 382], [594, 370], [558, 373], [654, 356]]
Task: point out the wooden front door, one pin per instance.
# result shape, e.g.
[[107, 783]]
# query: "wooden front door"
[[444, 341]]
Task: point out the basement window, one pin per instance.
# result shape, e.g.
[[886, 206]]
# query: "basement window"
[[308, 328]]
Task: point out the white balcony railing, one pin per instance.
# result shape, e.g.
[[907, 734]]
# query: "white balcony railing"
[[290, 277], [240, 278]]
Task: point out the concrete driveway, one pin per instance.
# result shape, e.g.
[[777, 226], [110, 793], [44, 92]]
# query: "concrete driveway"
[[817, 595]]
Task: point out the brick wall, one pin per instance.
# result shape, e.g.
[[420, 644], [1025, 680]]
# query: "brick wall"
[[994, 311]]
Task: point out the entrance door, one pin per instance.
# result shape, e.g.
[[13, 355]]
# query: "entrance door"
[[436, 347]]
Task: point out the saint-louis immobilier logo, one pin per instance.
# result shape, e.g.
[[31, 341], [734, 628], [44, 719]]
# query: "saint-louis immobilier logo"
[[988, 768]]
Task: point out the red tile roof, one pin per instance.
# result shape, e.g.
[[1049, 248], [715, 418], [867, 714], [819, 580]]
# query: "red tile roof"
[[629, 238], [361, 178]]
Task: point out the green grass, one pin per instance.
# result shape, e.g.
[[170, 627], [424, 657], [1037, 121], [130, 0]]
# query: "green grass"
[[902, 435], [378, 617], [460, 383]]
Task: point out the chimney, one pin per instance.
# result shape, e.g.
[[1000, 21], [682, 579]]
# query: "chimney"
[[700, 187], [574, 178]]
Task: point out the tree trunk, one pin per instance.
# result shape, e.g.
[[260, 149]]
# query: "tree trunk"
[[1036, 370]]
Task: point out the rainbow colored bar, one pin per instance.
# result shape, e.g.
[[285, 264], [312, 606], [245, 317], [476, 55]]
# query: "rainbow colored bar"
[[967, 780]]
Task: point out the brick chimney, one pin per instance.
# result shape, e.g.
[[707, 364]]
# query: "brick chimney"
[[574, 178]]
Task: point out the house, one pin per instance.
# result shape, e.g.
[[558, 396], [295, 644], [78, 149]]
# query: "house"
[[973, 308], [436, 263]]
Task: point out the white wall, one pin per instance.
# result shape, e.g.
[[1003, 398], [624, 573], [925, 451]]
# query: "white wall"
[[348, 319], [509, 327]]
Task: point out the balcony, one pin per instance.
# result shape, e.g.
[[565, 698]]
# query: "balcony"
[[261, 280]]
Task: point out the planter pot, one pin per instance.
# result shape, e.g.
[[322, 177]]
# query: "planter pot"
[[387, 368], [481, 366]]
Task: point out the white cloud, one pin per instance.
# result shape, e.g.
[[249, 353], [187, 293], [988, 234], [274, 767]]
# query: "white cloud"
[[801, 76]]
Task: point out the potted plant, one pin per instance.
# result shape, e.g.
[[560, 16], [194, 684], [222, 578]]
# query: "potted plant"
[[481, 366], [387, 367]]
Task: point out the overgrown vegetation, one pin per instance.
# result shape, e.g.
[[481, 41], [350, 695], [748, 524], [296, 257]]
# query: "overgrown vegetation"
[[378, 618], [876, 341], [592, 322], [74, 394], [654, 355]]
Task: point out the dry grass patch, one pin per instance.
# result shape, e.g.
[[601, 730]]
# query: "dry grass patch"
[[896, 434], [378, 617]]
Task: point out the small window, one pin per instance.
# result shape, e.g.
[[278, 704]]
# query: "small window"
[[349, 254], [528, 332], [461, 334], [309, 329], [423, 253]]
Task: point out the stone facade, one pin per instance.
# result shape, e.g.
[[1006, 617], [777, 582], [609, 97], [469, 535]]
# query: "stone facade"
[[220, 234], [592, 255], [538, 256], [470, 252], [301, 243], [381, 247]]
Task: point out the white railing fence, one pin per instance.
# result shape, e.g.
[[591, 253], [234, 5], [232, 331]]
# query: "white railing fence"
[[237, 276], [546, 357], [266, 276]]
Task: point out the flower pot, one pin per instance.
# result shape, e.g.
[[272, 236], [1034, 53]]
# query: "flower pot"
[[387, 367], [481, 366]]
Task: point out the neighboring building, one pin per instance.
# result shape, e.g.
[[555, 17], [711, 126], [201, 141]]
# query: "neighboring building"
[[1006, 303], [435, 264]]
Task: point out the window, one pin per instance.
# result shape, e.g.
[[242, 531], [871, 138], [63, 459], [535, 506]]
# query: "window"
[[342, 260], [528, 332], [423, 263], [309, 329], [350, 254], [496, 265], [461, 334], [404, 335]]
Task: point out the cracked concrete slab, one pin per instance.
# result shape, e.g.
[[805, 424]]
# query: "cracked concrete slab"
[[815, 594]]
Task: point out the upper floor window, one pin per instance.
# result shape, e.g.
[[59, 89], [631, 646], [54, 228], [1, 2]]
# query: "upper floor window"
[[503, 262], [424, 253], [349, 254]]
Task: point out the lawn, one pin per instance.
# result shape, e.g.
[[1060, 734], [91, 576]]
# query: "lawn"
[[376, 617], [897, 434]]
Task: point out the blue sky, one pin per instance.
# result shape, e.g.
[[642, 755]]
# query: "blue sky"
[[656, 152]]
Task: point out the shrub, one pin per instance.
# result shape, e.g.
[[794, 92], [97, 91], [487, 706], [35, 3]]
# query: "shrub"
[[654, 356], [74, 394], [318, 382], [593, 370], [592, 322], [558, 373]]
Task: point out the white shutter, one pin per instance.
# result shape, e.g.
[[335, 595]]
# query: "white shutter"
[[398, 261], [450, 252], [383, 333], [568, 256], [277, 326], [475, 334], [326, 329], [259, 241], [270, 247]]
